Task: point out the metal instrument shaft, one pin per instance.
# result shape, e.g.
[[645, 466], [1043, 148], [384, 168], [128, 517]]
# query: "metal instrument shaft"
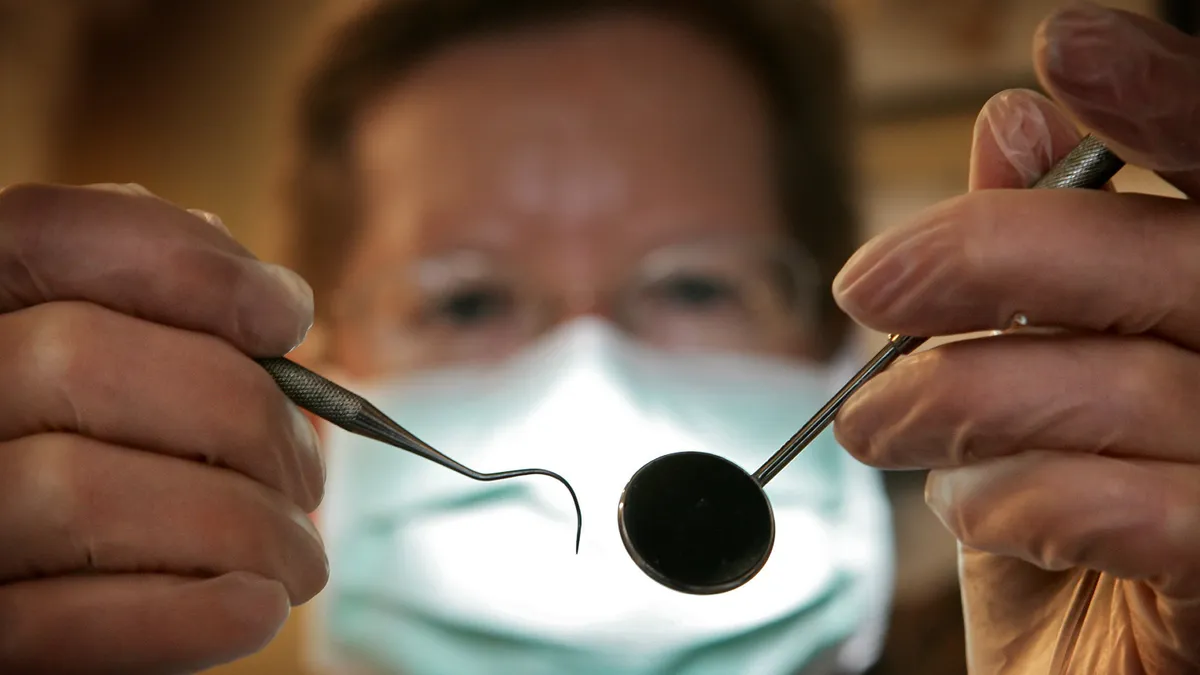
[[1089, 165]]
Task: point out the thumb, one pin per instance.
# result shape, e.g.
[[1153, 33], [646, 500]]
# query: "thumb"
[[1019, 135], [1131, 80]]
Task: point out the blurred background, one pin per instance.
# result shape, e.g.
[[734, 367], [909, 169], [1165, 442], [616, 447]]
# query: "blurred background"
[[191, 98]]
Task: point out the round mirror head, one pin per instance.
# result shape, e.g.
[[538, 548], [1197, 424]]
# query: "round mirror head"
[[696, 523]]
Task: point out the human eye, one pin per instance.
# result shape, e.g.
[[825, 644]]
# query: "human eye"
[[471, 306], [695, 291]]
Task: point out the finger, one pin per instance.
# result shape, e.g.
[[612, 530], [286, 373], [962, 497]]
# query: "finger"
[[139, 255], [1019, 135], [71, 504], [1067, 258], [979, 399], [1132, 80], [74, 366], [136, 624], [1136, 520]]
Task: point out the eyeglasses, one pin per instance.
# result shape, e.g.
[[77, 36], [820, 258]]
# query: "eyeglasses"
[[473, 306]]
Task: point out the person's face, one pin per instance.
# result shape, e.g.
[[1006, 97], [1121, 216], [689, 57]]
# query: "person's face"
[[617, 167]]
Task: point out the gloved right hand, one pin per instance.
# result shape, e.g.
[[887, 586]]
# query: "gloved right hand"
[[1064, 459], [154, 482]]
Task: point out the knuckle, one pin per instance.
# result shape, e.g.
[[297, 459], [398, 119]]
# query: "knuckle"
[[54, 345], [50, 485]]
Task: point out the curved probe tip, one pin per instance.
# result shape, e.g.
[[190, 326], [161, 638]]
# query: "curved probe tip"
[[578, 510], [501, 475]]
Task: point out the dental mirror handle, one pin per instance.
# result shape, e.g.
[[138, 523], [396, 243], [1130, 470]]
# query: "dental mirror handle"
[[1089, 165]]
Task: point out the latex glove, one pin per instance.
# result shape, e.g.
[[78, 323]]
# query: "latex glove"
[[153, 479], [1068, 465]]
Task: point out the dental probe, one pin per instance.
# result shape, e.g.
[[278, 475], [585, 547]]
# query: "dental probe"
[[355, 414]]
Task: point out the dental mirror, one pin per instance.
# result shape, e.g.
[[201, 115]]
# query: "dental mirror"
[[700, 524], [696, 522]]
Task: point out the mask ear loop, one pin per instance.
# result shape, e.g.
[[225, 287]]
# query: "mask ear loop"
[[355, 414]]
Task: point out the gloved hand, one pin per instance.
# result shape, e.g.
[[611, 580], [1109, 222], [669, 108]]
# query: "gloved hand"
[[1067, 463], [153, 479]]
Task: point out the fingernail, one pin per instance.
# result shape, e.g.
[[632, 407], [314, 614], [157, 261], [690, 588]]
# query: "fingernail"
[[879, 280], [947, 489], [1082, 41], [940, 492], [1130, 78], [301, 294], [210, 218], [310, 444], [256, 582], [1021, 132], [938, 496]]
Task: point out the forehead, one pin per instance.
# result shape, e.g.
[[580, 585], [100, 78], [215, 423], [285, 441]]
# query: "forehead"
[[612, 133]]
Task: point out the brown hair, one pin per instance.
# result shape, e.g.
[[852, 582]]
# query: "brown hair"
[[790, 46]]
